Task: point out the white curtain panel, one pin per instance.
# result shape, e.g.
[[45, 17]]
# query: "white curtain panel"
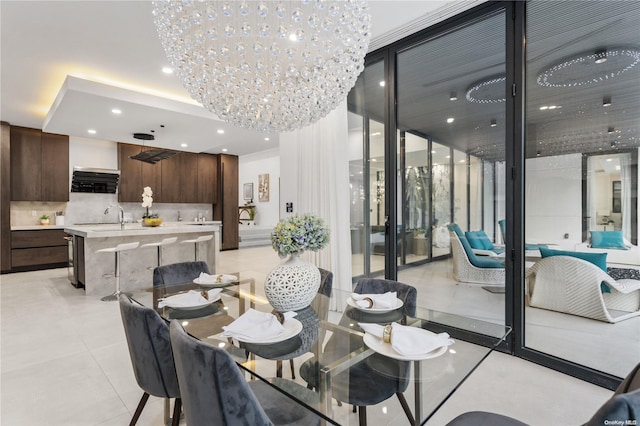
[[591, 193], [321, 173]]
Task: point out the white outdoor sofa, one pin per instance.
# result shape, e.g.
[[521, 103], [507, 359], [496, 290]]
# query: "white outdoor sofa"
[[572, 286]]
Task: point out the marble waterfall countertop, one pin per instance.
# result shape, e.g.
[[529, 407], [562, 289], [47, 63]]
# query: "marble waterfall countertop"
[[136, 229]]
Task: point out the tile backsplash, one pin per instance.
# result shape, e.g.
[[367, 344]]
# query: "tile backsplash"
[[90, 208]]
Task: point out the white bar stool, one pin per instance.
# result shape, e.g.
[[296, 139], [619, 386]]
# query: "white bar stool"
[[196, 241], [117, 249], [159, 245]]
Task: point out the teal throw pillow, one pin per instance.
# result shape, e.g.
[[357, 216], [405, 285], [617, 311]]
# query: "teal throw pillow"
[[479, 262], [598, 259], [479, 240], [608, 240]]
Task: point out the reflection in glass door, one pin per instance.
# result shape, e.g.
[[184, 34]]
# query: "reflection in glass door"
[[366, 171], [581, 179]]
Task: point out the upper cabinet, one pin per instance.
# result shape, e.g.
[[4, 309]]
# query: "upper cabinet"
[[207, 178], [183, 178], [135, 175], [39, 165], [180, 178]]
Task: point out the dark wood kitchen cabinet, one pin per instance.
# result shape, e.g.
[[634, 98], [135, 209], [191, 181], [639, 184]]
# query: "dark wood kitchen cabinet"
[[39, 165], [226, 209], [5, 197], [207, 179], [38, 249], [135, 175], [180, 178]]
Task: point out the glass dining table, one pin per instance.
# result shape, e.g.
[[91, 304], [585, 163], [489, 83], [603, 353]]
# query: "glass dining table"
[[325, 347]]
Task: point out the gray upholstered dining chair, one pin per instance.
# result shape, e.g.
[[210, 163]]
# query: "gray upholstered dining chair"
[[214, 390], [377, 378], [178, 273], [623, 407], [151, 355], [321, 307]]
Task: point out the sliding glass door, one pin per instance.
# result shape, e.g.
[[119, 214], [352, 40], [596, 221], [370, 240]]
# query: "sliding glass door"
[[582, 136]]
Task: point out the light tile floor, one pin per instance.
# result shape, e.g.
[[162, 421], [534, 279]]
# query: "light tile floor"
[[64, 361]]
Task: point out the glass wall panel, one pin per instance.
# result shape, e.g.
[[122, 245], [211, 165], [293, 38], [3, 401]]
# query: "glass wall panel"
[[441, 198], [581, 180], [414, 206], [460, 188], [366, 170], [451, 98]]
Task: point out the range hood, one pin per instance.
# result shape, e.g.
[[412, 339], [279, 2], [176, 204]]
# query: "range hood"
[[101, 181]]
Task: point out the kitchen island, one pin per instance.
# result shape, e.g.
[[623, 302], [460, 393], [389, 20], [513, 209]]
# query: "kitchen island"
[[96, 270]]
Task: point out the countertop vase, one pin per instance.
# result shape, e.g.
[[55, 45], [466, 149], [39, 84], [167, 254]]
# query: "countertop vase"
[[292, 285]]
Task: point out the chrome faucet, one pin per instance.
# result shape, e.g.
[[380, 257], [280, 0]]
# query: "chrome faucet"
[[120, 214]]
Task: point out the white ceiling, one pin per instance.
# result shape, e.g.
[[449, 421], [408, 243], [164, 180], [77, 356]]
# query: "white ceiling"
[[66, 64]]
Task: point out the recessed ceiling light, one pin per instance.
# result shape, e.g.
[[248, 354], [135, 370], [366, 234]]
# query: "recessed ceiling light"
[[184, 145], [293, 37], [376, 134], [606, 101], [220, 131], [167, 70], [448, 156], [92, 131], [610, 130], [609, 159], [224, 149], [553, 106], [382, 83], [601, 56], [453, 96], [116, 111], [374, 160], [543, 107], [494, 122], [266, 139], [450, 120], [433, 151], [462, 161]]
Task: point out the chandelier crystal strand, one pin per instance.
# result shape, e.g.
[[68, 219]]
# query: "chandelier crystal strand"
[[271, 66]]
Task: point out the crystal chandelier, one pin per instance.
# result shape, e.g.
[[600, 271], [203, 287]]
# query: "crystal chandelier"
[[270, 66]]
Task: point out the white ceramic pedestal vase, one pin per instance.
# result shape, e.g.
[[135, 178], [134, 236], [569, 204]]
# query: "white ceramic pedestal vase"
[[292, 285]]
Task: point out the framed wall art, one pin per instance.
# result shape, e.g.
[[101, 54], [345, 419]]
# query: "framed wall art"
[[263, 187], [247, 191]]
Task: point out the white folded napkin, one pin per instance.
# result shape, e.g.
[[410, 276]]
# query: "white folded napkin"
[[380, 301], [189, 299], [205, 278], [410, 340], [256, 325]]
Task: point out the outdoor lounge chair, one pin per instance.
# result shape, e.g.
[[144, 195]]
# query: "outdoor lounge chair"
[[570, 285]]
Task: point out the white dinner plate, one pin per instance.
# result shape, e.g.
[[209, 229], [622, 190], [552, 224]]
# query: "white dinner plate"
[[194, 307], [353, 304], [225, 280], [292, 327], [386, 349]]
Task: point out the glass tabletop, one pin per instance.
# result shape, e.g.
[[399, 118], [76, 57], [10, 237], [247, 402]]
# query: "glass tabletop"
[[329, 352]]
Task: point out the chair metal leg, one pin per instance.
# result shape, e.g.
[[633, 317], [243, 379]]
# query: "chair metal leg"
[[177, 409], [167, 410], [293, 369], [279, 368], [405, 407], [362, 415], [136, 415]]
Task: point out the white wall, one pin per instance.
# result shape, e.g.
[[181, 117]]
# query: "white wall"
[[553, 200], [95, 153], [249, 167]]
